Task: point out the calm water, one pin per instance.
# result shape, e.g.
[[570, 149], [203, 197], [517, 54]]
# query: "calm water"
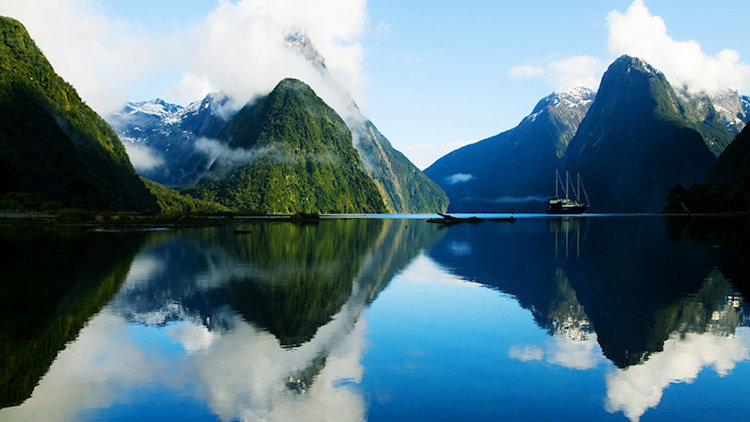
[[610, 318]]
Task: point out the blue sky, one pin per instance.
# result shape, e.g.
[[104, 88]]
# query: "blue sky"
[[431, 75]]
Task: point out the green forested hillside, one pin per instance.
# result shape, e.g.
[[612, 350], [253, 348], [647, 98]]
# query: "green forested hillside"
[[55, 151], [172, 201], [289, 152]]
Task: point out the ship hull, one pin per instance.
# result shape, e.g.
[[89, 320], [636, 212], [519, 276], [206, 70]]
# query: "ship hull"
[[560, 207]]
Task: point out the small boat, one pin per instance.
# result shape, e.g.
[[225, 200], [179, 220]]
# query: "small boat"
[[566, 204]]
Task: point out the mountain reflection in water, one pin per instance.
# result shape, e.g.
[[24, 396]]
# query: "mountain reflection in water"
[[645, 293], [299, 322], [253, 320]]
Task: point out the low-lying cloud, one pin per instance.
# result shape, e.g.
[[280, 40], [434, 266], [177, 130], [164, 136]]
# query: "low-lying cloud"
[[224, 159], [459, 178], [142, 157], [507, 199]]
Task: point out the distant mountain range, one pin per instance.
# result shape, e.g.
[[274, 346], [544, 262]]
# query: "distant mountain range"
[[167, 136], [631, 142], [634, 142], [515, 170], [55, 151]]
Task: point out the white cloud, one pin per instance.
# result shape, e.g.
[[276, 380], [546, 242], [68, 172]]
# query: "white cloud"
[[143, 157], [508, 199], [89, 373], [638, 388], [459, 178], [424, 270], [577, 71], [460, 248], [564, 74], [525, 71], [192, 87], [192, 337], [142, 270], [526, 353], [639, 33], [562, 351], [104, 59], [239, 48], [574, 354]]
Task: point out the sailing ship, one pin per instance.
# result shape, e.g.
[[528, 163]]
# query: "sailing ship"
[[565, 204]]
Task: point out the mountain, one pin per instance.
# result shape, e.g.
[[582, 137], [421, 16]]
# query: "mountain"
[[405, 188], [170, 135], [177, 143], [172, 201], [733, 164], [289, 152], [569, 275], [55, 150], [727, 185], [515, 170], [636, 141]]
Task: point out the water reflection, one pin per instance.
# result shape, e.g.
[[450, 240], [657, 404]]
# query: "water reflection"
[[271, 325], [259, 326], [643, 293], [51, 283]]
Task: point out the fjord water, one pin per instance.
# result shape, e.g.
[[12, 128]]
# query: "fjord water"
[[609, 318]]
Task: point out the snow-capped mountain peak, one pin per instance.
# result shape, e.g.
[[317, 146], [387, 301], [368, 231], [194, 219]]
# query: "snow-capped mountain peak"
[[576, 100], [300, 42], [574, 97]]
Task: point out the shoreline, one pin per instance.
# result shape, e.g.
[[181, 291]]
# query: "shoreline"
[[137, 221]]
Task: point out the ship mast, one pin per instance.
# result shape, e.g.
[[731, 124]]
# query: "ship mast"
[[557, 182]]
